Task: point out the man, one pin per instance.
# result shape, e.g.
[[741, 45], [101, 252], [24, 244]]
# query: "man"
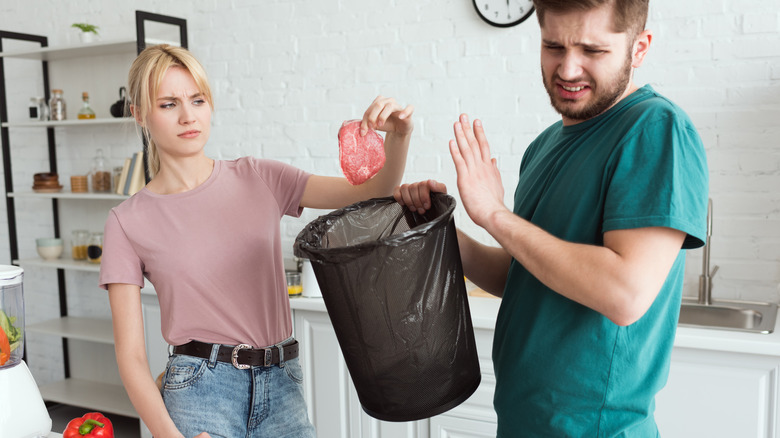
[[590, 266]]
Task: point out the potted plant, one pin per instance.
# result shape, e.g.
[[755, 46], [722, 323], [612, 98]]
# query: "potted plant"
[[88, 31]]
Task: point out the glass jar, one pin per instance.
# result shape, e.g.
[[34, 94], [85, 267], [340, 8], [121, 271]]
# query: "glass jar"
[[95, 247], [80, 239], [101, 177], [57, 106], [43, 109], [294, 287], [12, 308]]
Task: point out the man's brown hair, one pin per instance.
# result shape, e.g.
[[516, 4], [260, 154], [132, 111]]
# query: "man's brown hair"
[[629, 15]]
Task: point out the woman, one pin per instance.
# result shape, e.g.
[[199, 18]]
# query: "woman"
[[206, 233]]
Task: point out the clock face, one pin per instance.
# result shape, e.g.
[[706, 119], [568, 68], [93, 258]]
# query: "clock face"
[[504, 13]]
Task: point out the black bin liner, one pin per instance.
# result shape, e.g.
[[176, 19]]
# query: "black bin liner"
[[392, 282]]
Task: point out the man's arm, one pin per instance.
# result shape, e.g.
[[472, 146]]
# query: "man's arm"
[[486, 266], [619, 280]]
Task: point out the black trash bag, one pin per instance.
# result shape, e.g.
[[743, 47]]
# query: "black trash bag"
[[392, 282]]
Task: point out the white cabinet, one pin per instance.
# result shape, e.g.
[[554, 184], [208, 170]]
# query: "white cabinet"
[[719, 394], [447, 426], [333, 404], [334, 407], [721, 385]]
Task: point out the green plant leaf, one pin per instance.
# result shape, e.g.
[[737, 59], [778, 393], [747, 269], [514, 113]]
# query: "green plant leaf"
[[86, 27]]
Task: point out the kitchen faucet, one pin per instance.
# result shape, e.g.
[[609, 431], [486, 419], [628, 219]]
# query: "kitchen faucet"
[[705, 279]]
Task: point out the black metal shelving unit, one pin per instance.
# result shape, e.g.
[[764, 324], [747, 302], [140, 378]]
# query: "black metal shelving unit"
[[141, 18]]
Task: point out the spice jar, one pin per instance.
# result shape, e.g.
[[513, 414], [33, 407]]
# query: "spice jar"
[[80, 238], [57, 106], [95, 247], [101, 177], [78, 184]]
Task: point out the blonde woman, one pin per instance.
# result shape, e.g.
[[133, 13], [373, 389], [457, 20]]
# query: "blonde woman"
[[206, 234]]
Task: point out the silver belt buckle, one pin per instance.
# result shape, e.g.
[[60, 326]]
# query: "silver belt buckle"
[[268, 357], [234, 356]]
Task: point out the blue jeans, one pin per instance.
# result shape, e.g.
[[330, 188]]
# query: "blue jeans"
[[203, 395]]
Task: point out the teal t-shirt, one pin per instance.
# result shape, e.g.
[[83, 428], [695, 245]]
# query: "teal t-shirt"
[[565, 370]]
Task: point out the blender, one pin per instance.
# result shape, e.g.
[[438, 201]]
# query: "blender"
[[22, 411]]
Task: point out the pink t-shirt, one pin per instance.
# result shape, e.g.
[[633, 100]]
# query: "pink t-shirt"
[[213, 254]]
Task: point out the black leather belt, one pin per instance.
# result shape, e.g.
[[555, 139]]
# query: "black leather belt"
[[242, 356]]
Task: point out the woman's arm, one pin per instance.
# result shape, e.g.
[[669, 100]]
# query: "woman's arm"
[[384, 114], [128, 323]]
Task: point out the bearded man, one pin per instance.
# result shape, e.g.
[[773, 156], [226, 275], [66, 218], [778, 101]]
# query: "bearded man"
[[591, 259]]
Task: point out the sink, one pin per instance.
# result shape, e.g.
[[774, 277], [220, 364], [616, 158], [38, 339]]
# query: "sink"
[[729, 315]]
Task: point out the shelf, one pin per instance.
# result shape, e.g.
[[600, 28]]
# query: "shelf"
[[62, 123], [98, 48], [70, 195], [73, 265], [90, 395], [75, 327], [61, 263]]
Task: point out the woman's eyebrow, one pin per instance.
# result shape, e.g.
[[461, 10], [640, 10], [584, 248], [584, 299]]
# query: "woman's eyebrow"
[[196, 95]]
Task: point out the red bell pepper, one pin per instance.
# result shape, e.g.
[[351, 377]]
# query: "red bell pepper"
[[91, 425], [5, 347]]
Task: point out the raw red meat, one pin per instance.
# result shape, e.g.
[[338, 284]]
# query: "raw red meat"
[[361, 157]]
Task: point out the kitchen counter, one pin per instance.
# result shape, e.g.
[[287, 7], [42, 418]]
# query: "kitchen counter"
[[485, 310], [729, 340]]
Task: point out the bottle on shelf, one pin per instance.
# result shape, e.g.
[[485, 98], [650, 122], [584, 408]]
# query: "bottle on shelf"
[[57, 106], [86, 111], [101, 176], [34, 108], [43, 109]]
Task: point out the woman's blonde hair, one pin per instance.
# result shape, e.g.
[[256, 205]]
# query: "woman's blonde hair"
[[143, 82]]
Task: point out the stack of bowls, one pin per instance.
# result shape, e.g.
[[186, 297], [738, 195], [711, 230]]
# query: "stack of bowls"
[[49, 248], [46, 182]]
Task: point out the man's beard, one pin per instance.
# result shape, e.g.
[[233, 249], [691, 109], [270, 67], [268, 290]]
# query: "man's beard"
[[603, 99]]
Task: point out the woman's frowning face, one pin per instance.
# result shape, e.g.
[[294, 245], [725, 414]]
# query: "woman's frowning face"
[[180, 119]]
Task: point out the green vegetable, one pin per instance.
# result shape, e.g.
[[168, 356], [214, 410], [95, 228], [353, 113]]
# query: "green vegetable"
[[14, 334]]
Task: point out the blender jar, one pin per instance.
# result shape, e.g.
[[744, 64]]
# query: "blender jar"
[[11, 316]]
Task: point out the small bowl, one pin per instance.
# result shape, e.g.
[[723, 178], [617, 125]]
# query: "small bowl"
[[48, 241], [49, 248]]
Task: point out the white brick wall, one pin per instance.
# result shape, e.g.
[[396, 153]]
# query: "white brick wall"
[[287, 72]]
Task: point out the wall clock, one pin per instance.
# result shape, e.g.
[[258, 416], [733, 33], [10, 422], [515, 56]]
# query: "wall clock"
[[504, 13]]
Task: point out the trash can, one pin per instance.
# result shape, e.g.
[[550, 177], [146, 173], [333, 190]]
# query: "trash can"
[[392, 282]]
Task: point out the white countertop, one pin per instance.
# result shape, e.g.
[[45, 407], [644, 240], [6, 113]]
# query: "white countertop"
[[485, 310]]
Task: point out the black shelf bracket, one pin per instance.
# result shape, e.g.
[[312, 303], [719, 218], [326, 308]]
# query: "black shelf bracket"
[[141, 17], [8, 173]]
